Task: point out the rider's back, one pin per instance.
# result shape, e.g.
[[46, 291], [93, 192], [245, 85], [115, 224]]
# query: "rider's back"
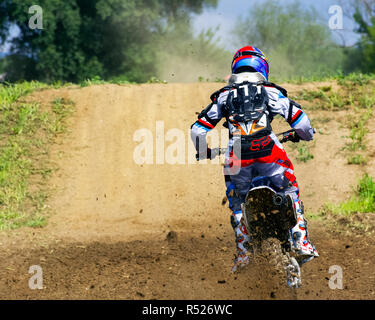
[[278, 103]]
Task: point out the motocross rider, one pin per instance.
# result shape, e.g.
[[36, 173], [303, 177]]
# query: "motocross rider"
[[269, 159]]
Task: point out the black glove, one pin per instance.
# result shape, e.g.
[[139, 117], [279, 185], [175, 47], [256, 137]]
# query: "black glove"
[[295, 137], [290, 136]]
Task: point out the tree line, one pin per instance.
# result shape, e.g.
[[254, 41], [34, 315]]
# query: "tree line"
[[134, 40]]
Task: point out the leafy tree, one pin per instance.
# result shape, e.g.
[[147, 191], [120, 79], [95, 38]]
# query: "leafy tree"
[[364, 52], [296, 42], [86, 38]]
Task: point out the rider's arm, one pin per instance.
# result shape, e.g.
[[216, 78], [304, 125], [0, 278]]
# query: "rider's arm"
[[207, 120], [292, 113]]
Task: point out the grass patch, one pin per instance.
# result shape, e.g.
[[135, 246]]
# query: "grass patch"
[[315, 216], [366, 100], [356, 91], [92, 81], [320, 120], [27, 130], [303, 151], [61, 108], [357, 159], [358, 130], [358, 79], [324, 100], [117, 80], [304, 154], [363, 200], [349, 79], [156, 80], [326, 88], [357, 213]]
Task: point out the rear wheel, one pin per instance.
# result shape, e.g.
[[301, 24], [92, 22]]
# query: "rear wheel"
[[293, 273], [282, 261]]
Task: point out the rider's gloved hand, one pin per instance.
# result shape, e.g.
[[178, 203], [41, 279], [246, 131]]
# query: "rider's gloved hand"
[[295, 137], [290, 136]]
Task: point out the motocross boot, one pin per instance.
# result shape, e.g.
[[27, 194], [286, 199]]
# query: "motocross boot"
[[242, 242], [300, 237]]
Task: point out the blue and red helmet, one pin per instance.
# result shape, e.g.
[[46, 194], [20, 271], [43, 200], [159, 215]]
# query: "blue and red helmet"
[[250, 59]]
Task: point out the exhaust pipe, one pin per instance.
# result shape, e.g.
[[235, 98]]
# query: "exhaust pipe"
[[278, 199]]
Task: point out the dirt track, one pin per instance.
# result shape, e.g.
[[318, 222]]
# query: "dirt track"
[[107, 235]]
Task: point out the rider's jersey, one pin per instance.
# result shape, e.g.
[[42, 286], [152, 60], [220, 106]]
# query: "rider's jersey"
[[278, 104]]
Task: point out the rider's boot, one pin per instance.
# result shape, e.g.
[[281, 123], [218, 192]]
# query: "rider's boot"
[[242, 242], [300, 237]]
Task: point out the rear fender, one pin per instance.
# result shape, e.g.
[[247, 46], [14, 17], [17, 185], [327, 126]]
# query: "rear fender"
[[261, 204]]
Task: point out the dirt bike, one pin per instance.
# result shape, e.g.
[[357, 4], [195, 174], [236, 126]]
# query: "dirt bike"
[[269, 214]]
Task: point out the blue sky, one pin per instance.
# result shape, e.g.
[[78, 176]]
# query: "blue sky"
[[228, 11], [13, 32]]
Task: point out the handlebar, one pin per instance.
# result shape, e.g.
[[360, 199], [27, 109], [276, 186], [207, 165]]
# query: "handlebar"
[[286, 136], [290, 135]]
